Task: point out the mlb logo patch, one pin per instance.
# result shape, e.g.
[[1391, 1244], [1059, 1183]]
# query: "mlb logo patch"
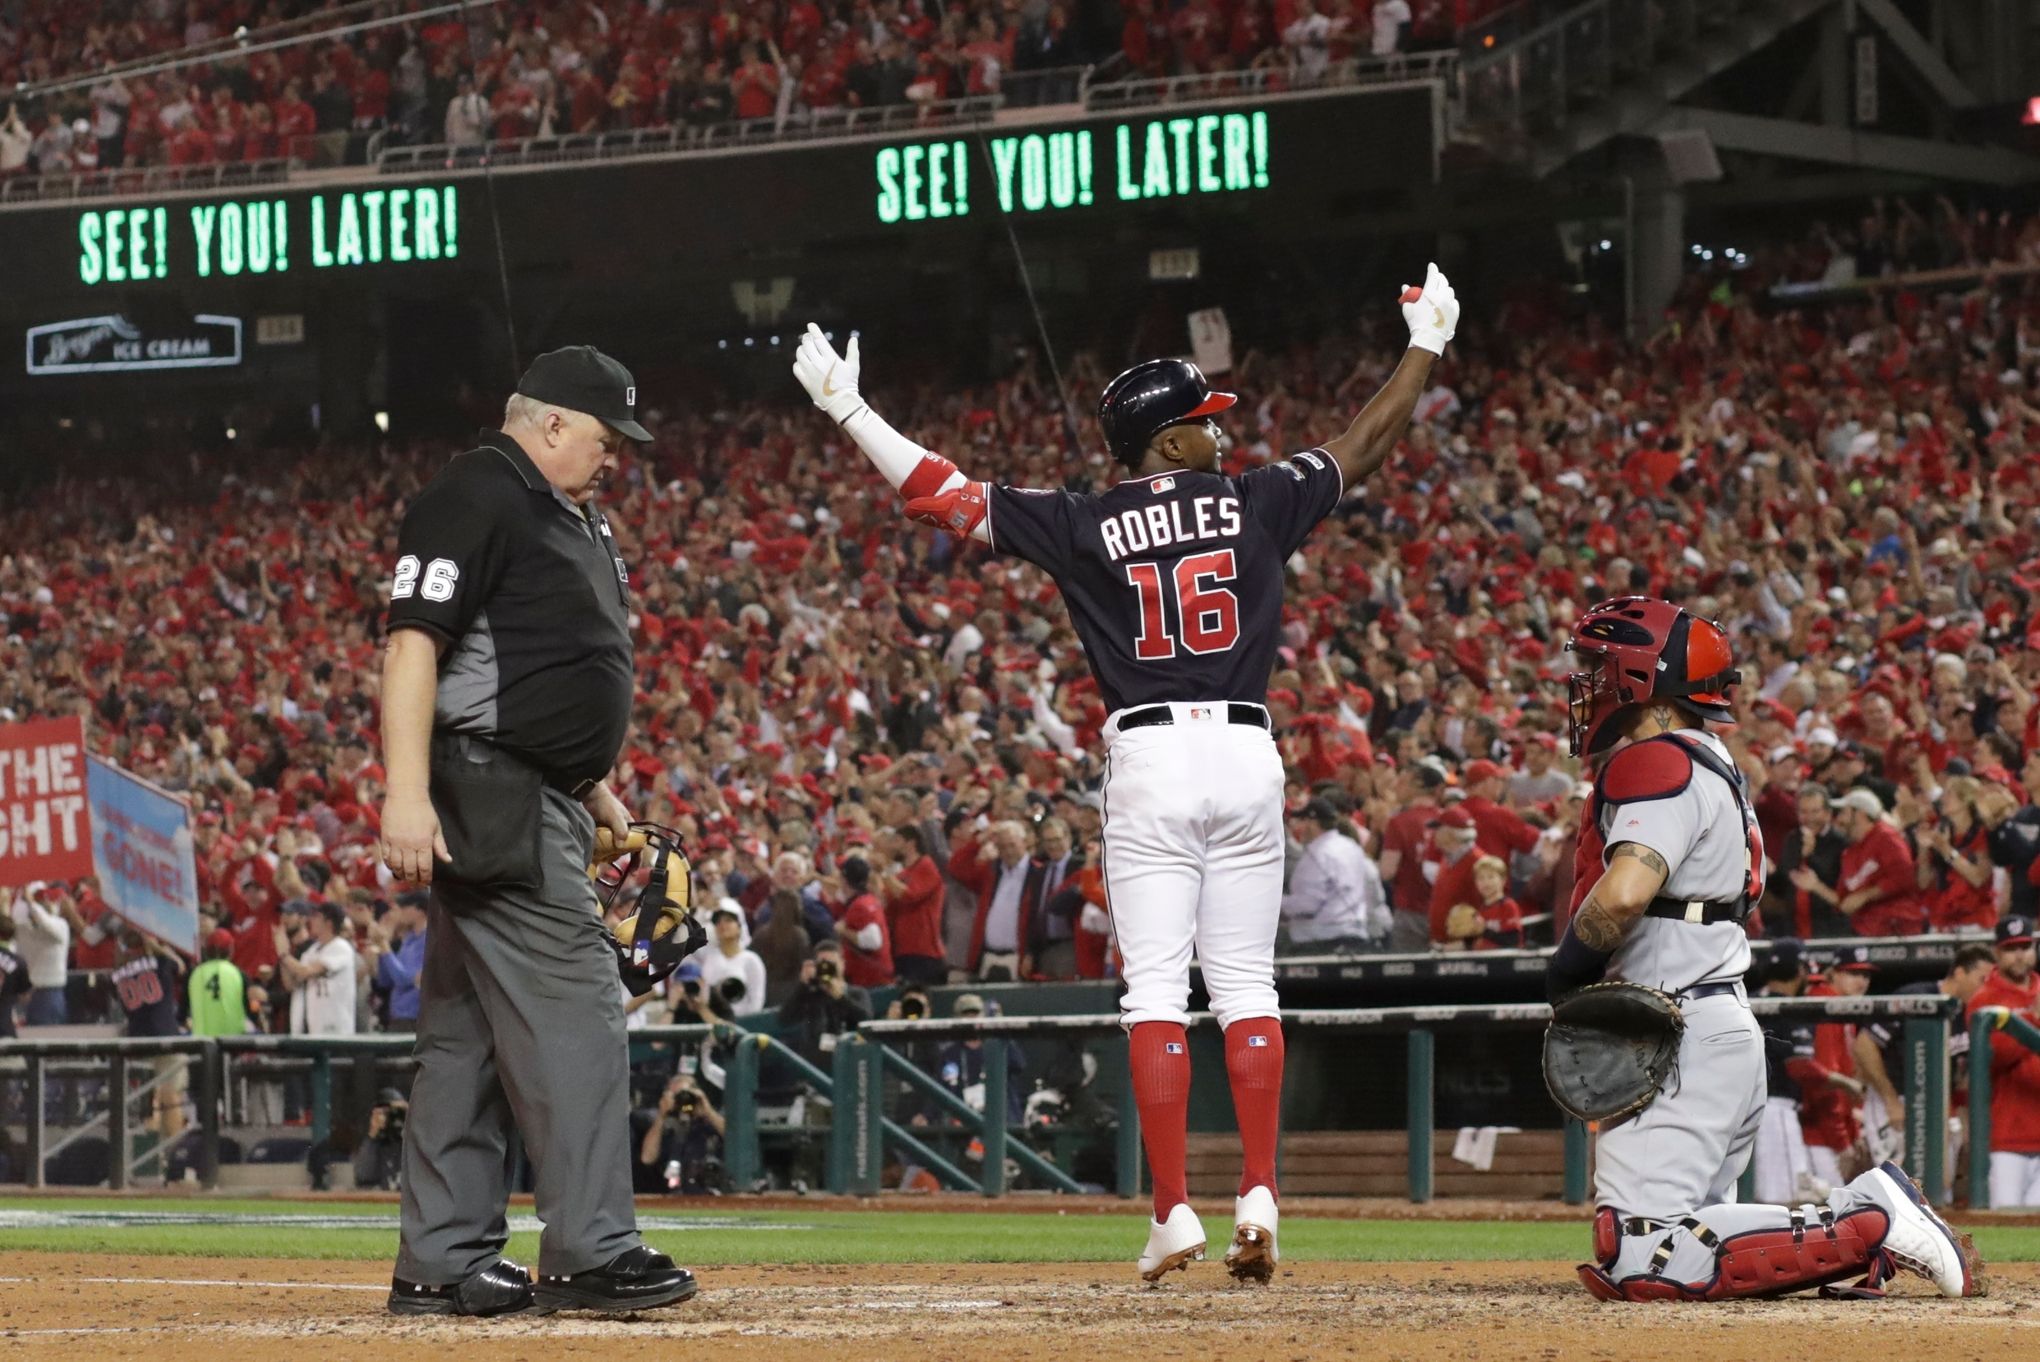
[[1200, 713], [1257, 1042], [1164, 485], [1173, 1048]]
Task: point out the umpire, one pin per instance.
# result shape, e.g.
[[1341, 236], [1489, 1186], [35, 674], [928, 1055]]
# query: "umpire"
[[507, 687]]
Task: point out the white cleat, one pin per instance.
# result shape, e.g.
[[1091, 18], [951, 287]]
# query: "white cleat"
[[1919, 1240], [1253, 1256], [1172, 1243]]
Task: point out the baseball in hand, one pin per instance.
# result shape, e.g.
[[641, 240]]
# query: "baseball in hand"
[[1411, 294]]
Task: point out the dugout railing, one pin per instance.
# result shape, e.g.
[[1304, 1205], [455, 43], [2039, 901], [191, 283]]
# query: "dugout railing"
[[868, 1068]]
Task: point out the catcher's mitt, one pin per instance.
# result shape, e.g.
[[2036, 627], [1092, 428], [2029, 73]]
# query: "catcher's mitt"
[[1463, 923], [651, 942], [1610, 1049]]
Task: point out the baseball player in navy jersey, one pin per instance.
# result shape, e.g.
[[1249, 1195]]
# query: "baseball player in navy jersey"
[[1670, 864], [1173, 578]]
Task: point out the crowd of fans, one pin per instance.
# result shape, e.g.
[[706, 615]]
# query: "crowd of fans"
[[882, 745], [607, 65]]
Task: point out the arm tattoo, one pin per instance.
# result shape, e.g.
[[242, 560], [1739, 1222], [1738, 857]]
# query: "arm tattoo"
[[1597, 926], [1642, 853]]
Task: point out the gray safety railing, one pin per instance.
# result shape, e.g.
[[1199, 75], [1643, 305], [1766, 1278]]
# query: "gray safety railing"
[[1205, 87]]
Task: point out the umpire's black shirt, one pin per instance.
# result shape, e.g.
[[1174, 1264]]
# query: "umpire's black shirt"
[[534, 600]]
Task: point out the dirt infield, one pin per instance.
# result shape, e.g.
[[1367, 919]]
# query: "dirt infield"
[[84, 1308]]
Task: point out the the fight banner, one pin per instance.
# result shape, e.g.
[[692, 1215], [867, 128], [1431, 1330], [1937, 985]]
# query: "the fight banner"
[[44, 834], [141, 850]]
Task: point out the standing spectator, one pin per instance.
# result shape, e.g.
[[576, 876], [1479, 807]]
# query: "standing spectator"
[[1954, 864], [320, 977], [1308, 39], [912, 888], [110, 103], [781, 941], [1051, 951], [1501, 917], [51, 150], [398, 967], [295, 121], [1335, 899], [1810, 861], [995, 868], [15, 142], [13, 978], [1402, 856], [148, 982], [217, 992], [2014, 1071], [754, 83], [728, 968], [1502, 830], [467, 115], [2015, 839], [1455, 846], [1879, 884], [43, 939], [1391, 24], [867, 955], [1540, 781]]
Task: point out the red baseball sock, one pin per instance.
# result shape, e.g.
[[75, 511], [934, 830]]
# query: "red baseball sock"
[[1160, 1057], [1253, 1061]]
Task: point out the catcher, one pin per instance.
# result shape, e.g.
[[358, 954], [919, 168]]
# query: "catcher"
[[1665, 1054]]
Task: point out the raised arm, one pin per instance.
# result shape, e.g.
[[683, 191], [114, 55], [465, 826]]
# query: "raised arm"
[[1432, 316], [936, 492]]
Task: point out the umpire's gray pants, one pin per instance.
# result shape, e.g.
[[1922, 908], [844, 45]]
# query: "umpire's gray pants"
[[521, 1017]]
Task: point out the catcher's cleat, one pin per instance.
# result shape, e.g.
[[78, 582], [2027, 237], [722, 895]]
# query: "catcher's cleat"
[[1172, 1244], [1919, 1240], [1253, 1255]]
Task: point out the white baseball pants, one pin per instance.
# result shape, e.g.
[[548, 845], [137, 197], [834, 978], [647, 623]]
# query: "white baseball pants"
[[2014, 1179], [1193, 859]]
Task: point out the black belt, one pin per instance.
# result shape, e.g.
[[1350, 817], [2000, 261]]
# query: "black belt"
[[572, 789], [1699, 910], [1148, 716], [465, 742], [1695, 994]]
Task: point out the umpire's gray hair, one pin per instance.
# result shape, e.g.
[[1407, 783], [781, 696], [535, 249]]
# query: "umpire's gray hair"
[[520, 410]]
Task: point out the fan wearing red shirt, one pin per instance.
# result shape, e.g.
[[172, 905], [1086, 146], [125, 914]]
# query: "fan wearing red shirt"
[[1502, 831], [294, 118], [2014, 1071], [1955, 864], [1880, 883], [754, 84], [913, 890], [860, 926], [1455, 849], [1402, 856], [1501, 917]]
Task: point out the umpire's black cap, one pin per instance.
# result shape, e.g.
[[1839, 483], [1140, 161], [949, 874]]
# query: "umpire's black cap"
[[582, 378], [1150, 397]]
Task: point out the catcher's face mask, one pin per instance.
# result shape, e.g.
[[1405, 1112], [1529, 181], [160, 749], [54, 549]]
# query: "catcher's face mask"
[[656, 849]]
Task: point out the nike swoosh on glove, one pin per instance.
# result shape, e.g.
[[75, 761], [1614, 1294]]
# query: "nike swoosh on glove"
[[1434, 316], [830, 378]]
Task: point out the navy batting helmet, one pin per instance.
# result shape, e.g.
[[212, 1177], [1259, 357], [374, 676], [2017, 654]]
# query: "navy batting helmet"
[[1150, 397]]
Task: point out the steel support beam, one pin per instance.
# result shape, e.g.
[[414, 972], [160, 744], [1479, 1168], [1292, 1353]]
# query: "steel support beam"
[[1846, 147], [1918, 53]]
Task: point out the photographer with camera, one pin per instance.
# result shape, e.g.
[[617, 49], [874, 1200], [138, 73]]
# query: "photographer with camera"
[[823, 1007], [378, 1158], [726, 960], [687, 1139]]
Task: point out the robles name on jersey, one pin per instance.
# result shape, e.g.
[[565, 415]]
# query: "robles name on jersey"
[[1162, 524]]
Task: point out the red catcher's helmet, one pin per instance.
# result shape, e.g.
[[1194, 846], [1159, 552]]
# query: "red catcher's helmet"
[[1634, 649]]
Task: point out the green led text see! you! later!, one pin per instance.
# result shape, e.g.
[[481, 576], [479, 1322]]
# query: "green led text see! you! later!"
[[1076, 168]]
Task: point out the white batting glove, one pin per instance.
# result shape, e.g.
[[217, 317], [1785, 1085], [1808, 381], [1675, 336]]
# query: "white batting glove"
[[1434, 315], [830, 378]]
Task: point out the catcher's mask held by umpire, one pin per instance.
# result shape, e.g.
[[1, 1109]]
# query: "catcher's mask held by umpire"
[[1634, 649], [1149, 398], [646, 939]]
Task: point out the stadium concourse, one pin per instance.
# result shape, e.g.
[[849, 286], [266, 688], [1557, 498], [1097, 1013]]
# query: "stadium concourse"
[[1848, 486]]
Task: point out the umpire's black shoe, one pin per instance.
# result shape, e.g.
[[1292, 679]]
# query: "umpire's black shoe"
[[502, 1288], [636, 1279]]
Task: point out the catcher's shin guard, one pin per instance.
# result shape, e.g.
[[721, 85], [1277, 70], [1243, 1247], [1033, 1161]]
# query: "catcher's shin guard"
[[1810, 1252]]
